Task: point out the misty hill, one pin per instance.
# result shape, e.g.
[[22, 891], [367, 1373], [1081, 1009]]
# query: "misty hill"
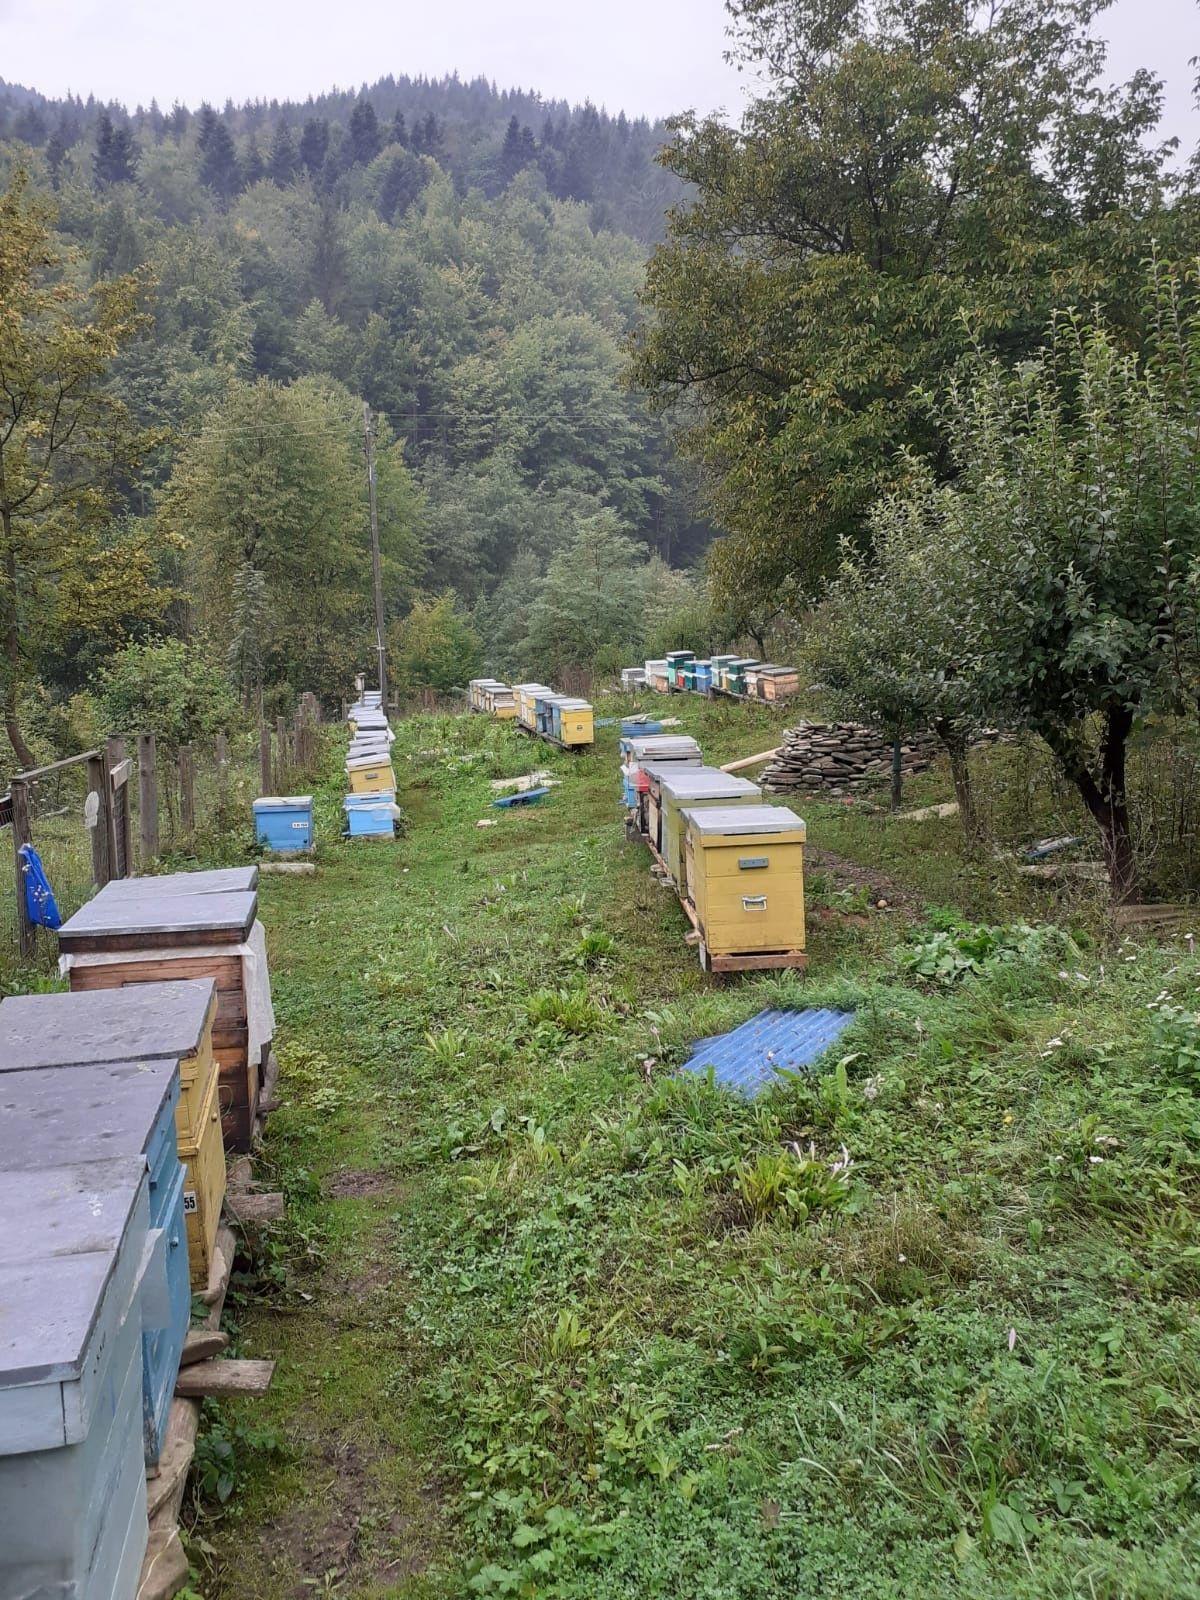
[[483, 136]]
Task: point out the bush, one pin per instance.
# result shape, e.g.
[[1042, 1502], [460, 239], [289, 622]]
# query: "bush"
[[166, 688]]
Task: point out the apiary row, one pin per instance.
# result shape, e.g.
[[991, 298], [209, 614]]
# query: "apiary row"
[[370, 805], [736, 863], [740, 677], [117, 1103], [535, 708]]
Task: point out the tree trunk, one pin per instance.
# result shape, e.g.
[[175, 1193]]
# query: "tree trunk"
[[955, 744], [1106, 799], [897, 775], [9, 628]]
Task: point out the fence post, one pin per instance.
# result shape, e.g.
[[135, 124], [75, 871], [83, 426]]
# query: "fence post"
[[121, 816], [264, 757], [222, 749], [187, 790], [98, 784], [20, 831], [147, 798]]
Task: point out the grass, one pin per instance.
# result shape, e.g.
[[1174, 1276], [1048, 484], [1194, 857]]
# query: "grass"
[[552, 1321]]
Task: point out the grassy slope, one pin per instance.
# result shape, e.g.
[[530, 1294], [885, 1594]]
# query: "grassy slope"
[[551, 1326]]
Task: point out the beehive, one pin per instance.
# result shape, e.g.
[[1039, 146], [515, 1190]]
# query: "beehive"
[[745, 878], [369, 816], [371, 775], [677, 663], [284, 821], [735, 674], [75, 1259], [656, 676], [574, 721], [123, 939], [502, 703], [778, 683], [217, 880], [694, 788], [527, 695], [53, 1116]]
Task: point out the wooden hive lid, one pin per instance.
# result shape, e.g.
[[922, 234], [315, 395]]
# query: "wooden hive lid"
[[128, 922], [218, 880], [721, 820], [105, 1025], [58, 1253], [104, 1113], [705, 783]]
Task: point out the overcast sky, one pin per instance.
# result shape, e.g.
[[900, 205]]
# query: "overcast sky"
[[643, 56]]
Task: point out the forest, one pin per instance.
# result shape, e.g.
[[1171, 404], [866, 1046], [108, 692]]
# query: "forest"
[[466, 262]]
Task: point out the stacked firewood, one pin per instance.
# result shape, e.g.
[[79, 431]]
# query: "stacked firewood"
[[840, 757]]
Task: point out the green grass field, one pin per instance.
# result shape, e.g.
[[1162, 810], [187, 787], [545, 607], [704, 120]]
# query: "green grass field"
[[551, 1321]]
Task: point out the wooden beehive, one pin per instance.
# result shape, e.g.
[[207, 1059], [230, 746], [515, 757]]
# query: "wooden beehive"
[[371, 775], [53, 1116], [117, 940], [694, 788], [74, 1251], [575, 722], [745, 880]]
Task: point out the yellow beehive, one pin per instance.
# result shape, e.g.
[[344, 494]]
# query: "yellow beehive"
[[377, 779], [745, 879], [527, 694], [203, 1186], [577, 720]]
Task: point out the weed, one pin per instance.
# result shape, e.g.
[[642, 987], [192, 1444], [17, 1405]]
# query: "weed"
[[572, 1010]]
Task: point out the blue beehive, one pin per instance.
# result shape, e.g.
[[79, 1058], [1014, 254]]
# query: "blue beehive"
[[284, 821], [369, 816], [117, 1109], [73, 1272]]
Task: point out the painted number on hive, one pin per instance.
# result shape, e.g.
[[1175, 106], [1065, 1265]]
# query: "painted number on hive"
[[189, 1200]]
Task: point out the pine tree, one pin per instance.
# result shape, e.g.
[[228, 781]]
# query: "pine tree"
[[314, 144], [399, 129], [252, 163], [364, 133], [282, 163]]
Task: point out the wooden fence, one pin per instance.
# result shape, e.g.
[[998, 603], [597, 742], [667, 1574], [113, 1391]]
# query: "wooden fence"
[[123, 794]]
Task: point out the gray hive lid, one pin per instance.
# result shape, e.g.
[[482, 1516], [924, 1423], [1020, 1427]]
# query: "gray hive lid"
[[662, 767], [65, 1229], [225, 916], [105, 1113], [701, 783], [744, 819], [571, 703], [102, 1025], [666, 746], [220, 880]]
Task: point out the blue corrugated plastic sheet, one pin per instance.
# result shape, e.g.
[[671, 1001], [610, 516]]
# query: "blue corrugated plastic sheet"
[[749, 1058]]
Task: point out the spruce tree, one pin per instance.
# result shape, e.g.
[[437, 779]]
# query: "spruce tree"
[[399, 129], [116, 157], [283, 161], [219, 166], [364, 133], [314, 144]]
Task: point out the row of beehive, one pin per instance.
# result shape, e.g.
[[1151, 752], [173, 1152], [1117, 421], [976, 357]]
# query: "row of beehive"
[[737, 864], [117, 1101], [740, 676], [561, 719], [371, 804]]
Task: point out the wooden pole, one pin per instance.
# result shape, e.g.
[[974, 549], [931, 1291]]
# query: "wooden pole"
[[376, 559], [120, 816], [26, 933], [187, 789], [99, 785], [264, 757], [222, 749], [281, 752], [147, 799]]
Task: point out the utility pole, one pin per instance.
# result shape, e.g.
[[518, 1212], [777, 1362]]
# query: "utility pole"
[[376, 562]]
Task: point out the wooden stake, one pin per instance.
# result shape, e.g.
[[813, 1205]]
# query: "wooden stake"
[[27, 935], [187, 789], [147, 799]]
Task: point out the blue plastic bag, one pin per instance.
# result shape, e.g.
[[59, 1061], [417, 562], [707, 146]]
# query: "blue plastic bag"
[[40, 905]]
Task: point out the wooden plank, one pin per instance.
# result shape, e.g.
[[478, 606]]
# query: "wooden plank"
[[123, 771], [101, 830], [764, 961], [213, 1379], [147, 799], [33, 774], [201, 1344], [752, 761], [256, 1208]]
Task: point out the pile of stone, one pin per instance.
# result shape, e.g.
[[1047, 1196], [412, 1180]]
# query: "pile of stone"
[[840, 757]]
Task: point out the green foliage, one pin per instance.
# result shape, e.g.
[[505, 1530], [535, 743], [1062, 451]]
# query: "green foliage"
[[952, 954], [226, 1451], [591, 598], [166, 688], [905, 164], [434, 647]]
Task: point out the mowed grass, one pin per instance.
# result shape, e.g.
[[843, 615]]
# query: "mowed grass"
[[553, 1320]]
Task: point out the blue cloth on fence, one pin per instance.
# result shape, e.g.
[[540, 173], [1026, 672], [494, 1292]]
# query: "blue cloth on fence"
[[40, 905]]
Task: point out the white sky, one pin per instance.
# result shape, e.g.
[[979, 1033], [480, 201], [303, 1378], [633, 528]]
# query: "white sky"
[[642, 56]]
